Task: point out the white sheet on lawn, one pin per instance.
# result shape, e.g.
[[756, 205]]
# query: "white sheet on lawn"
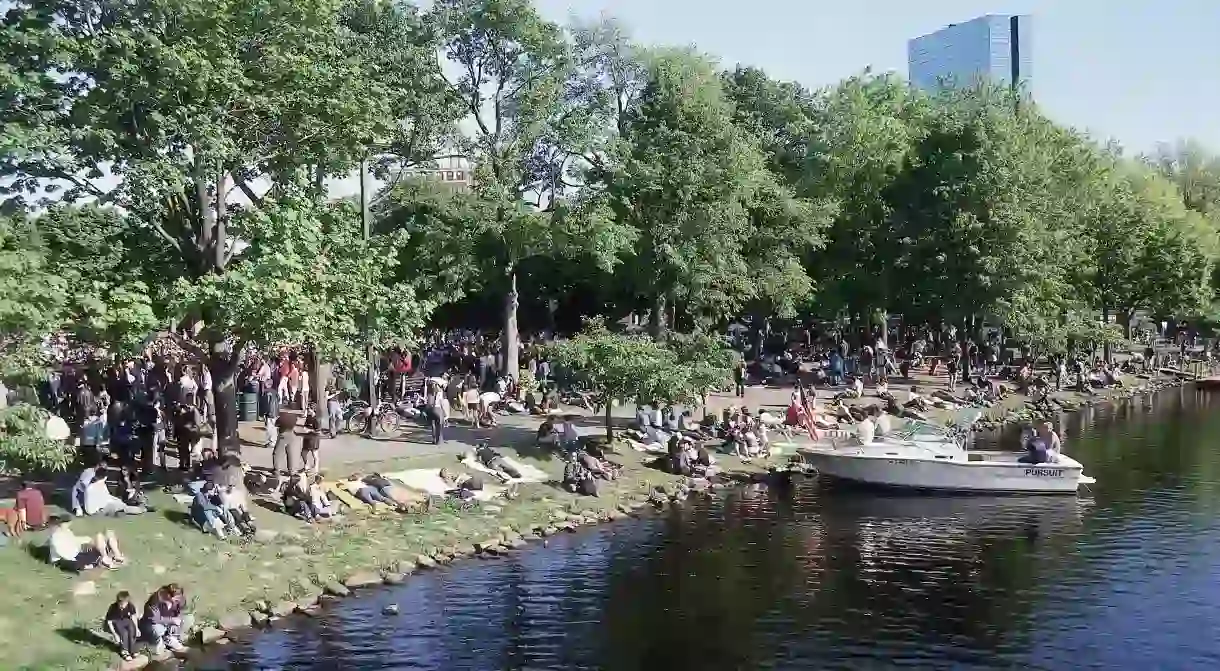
[[528, 473], [429, 480], [648, 448]]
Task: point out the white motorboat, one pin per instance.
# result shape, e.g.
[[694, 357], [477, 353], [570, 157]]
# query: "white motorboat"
[[931, 457]]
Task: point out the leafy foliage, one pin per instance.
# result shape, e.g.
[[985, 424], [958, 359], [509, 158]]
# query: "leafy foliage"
[[24, 446], [624, 367], [32, 300]]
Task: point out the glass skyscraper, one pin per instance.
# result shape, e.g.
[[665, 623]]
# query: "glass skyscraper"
[[992, 48]]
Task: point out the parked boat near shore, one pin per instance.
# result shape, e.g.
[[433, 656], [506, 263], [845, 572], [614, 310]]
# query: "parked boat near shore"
[[925, 456]]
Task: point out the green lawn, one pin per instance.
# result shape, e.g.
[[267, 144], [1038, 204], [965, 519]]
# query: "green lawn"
[[43, 625]]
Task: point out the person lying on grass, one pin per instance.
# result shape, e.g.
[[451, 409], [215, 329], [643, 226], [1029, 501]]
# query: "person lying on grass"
[[494, 461], [78, 553], [371, 495]]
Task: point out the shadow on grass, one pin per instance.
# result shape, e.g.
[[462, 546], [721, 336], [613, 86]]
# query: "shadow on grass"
[[87, 637], [180, 517]]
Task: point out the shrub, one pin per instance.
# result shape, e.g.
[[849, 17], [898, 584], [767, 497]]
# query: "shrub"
[[24, 446]]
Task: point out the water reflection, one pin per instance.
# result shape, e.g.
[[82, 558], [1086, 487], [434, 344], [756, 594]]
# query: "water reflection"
[[817, 579]]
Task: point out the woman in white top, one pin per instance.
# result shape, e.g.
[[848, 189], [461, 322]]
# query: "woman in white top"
[[80, 553]]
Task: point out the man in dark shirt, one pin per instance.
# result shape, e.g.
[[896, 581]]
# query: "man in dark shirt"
[[495, 461]]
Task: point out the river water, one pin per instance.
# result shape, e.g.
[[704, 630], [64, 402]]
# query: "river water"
[[815, 578]]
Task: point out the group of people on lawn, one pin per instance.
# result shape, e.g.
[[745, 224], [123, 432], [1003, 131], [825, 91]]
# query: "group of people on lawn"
[[160, 622]]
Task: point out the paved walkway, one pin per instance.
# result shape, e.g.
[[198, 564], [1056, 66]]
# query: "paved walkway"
[[415, 440]]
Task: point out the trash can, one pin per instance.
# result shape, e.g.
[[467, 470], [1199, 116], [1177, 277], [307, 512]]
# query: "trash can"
[[247, 408]]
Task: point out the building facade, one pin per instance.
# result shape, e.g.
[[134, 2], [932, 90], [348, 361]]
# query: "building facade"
[[453, 172], [992, 49]]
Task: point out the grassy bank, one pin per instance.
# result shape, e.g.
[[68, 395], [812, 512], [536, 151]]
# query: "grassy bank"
[[289, 565]]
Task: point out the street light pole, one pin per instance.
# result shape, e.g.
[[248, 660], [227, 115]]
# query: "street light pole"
[[366, 221]]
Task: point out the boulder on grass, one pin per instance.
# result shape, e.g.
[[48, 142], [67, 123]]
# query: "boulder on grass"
[[362, 579], [333, 588], [234, 620], [209, 635]]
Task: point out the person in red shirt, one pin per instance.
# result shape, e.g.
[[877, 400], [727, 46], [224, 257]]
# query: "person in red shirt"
[[31, 508]]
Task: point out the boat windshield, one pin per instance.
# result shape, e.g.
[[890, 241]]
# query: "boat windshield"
[[919, 430]]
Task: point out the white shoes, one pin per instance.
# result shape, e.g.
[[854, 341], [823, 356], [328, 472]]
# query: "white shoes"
[[175, 645]]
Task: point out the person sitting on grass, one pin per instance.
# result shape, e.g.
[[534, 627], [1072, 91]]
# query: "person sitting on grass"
[[209, 512], [915, 401], [207, 468], [883, 389], [547, 434], [854, 390], [161, 624], [99, 501], [304, 498], [233, 500], [29, 509], [120, 622], [569, 435], [577, 479], [77, 553], [464, 485]]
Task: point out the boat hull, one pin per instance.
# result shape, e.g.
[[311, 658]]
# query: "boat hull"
[[946, 475]]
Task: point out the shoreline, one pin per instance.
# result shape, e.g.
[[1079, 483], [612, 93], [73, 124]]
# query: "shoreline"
[[237, 588]]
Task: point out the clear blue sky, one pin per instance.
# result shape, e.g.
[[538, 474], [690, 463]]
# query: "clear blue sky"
[[1137, 71]]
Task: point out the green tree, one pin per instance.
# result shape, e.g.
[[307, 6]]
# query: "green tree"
[[865, 129], [683, 176], [1147, 251], [622, 367], [189, 109], [119, 273], [707, 359], [514, 70], [24, 446], [32, 301]]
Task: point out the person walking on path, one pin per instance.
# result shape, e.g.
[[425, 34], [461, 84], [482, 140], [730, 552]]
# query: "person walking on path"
[[283, 456], [437, 412], [739, 378]]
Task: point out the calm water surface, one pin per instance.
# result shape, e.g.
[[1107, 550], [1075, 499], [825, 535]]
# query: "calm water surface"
[[1125, 578]]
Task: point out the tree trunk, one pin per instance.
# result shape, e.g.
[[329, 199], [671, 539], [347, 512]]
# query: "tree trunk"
[[224, 393], [884, 317], [759, 328], [609, 419], [318, 379], [510, 336], [1105, 321], [1127, 318], [656, 320]]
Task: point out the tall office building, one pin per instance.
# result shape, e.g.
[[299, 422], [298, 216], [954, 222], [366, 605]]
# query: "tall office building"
[[992, 48]]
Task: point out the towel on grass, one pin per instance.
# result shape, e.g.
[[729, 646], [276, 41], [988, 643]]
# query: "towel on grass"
[[528, 473], [647, 448], [429, 480]]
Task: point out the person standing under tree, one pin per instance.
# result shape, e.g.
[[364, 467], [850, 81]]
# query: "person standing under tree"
[[739, 378]]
